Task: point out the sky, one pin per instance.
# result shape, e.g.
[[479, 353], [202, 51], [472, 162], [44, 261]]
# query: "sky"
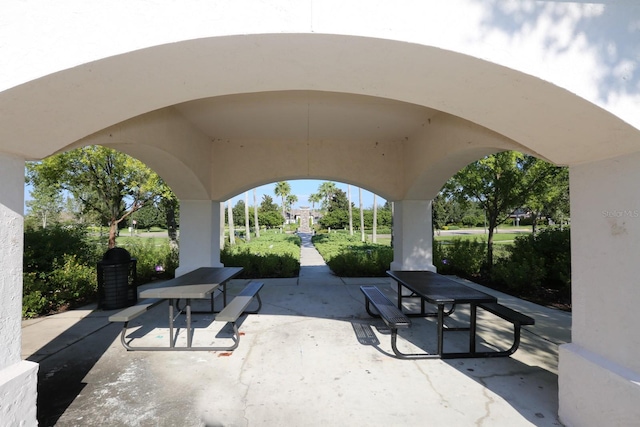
[[301, 188]]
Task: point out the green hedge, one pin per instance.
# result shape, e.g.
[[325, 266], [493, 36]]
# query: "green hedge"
[[59, 270], [347, 256], [270, 255], [60, 267], [538, 266]]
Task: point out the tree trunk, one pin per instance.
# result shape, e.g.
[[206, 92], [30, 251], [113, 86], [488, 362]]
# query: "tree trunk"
[[375, 220], [172, 226], [113, 231], [222, 238], [232, 231], [247, 228], [362, 236], [493, 224], [534, 222], [255, 213], [350, 211]]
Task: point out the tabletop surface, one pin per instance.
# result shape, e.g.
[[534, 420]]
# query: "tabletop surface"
[[181, 292], [198, 283], [437, 288], [206, 275]]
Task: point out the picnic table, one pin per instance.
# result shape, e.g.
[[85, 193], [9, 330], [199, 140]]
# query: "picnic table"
[[198, 284], [441, 291]]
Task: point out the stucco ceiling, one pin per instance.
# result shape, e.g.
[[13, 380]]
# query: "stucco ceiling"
[[305, 115]]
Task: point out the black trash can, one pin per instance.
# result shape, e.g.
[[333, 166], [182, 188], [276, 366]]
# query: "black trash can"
[[117, 280]]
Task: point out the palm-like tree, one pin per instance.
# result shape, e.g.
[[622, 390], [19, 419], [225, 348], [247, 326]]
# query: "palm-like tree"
[[247, 229], [255, 213], [375, 219], [362, 236], [291, 199], [313, 199], [283, 189], [327, 190], [232, 231], [350, 211]]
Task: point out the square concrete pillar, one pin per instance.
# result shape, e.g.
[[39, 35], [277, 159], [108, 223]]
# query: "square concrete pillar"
[[18, 378], [200, 227], [599, 372], [412, 235]]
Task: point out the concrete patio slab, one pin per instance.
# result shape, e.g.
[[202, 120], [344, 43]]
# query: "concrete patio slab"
[[311, 357]]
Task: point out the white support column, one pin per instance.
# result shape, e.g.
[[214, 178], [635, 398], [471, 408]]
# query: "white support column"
[[18, 378], [599, 371], [199, 235], [412, 235]]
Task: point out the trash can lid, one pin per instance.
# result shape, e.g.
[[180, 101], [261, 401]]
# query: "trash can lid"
[[117, 255]]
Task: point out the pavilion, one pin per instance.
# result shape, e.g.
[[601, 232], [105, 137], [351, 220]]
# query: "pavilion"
[[219, 97]]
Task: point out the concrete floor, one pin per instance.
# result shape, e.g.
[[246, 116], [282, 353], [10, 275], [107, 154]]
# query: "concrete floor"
[[312, 357]]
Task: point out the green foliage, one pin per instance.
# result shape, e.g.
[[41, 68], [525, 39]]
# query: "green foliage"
[[347, 256], [270, 255], [337, 215], [269, 219], [44, 249], [336, 219], [462, 257], [105, 181], [60, 267], [59, 270], [149, 255], [537, 266]]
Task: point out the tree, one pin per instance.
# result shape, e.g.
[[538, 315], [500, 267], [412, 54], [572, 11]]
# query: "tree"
[[291, 199], [552, 199], [336, 215], [313, 199], [232, 231], [247, 228], [171, 206], [350, 211], [255, 213], [283, 189], [326, 191], [269, 213], [500, 183], [362, 236], [375, 220], [46, 203], [105, 181]]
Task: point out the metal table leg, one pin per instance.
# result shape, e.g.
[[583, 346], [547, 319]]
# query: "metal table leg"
[[472, 329], [440, 329]]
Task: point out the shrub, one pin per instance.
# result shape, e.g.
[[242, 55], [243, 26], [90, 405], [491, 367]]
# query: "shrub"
[[462, 257], [271, 255], [537, 266], [59, 270], [347, 256], [153, 260]]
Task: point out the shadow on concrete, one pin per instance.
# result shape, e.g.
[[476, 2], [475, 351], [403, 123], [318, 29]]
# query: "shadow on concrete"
[[60, 377], [525, 381]]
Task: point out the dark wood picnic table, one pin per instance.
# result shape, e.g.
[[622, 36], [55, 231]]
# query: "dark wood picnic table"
[[198, 284], [441, 291]]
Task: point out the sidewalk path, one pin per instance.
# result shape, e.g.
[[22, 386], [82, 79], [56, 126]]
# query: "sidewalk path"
[[313, 269]]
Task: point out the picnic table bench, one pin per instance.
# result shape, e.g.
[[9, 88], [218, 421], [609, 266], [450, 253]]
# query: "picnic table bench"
[[184, 288], [436, 289]]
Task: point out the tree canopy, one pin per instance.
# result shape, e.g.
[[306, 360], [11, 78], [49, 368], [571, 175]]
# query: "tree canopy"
[[500, 184], [107, 182]]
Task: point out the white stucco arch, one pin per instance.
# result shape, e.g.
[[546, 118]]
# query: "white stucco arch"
[[558, 79]]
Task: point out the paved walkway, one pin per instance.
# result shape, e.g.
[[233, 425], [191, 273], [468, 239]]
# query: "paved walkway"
[[312, 357]]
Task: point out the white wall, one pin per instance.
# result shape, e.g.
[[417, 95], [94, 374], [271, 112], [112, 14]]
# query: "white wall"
[[600, 370], [18, 379]]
